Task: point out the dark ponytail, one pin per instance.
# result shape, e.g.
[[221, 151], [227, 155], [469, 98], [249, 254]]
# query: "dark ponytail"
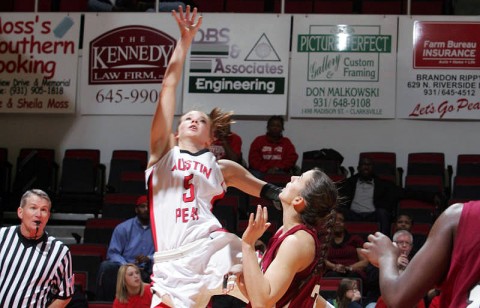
[[321, 198]]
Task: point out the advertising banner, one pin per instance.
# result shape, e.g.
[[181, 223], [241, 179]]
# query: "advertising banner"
[[38, 62], [438, 68], [239, 62], [125, 56], [343, 66]]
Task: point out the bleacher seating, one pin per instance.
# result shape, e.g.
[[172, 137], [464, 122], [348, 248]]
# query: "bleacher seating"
[[73, 6], [81, 280], [362, 228], [468, 165], [466, 188], [429, 165], [245, 6], [420, 211], [294, 6], [226, 210], [36, 168], [335, 7], [126, 161], [210, 5], [418, 7], [383, 7], [5, 176], [87, 258], [96, 304], [426, 7], [328, 160], [29, 5], [385, 166], [82, 182], [119, 205], [6, 5], [99, 230]]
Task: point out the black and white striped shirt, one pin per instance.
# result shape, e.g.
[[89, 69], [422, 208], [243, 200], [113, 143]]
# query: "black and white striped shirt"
[[33, 272]]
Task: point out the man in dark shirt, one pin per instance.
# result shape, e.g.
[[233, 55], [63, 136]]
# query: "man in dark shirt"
[[369, 198]]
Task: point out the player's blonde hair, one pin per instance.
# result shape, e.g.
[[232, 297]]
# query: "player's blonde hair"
[[220, 119]]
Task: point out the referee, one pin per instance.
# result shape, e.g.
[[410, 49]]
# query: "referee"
[[35, 268]]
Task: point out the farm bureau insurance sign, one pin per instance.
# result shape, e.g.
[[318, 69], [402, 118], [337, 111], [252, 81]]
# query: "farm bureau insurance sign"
[[343, 67], [38, 62], [438, 68]]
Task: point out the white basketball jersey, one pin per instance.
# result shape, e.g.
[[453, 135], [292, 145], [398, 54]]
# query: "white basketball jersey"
[[182, 188]]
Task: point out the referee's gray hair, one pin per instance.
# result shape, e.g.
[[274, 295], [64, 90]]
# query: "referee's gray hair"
[[34, 192]]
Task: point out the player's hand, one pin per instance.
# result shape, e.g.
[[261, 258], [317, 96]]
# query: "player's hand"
[[402, 261], [188, 22], [340, 268], [378, 246], [257, 225]]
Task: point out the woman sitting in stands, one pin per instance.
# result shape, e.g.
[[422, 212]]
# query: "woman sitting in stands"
[[348, 294], [131, 290]]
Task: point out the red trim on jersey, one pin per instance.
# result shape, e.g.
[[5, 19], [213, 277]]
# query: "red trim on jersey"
[[151, 205], [215, 198]]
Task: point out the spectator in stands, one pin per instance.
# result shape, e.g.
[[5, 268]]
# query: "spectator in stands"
[[35, 268], [405, 222], [131, 290], [227, 145], [368, 198], [344, 258], [348, 295], [404, 241], [272, 152], [131, 242], [448, 259]]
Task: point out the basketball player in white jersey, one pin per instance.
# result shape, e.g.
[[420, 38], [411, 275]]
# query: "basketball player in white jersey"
[[192, 252]]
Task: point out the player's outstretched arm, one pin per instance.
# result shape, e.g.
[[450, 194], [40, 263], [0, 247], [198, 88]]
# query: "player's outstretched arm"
[[161, 131]]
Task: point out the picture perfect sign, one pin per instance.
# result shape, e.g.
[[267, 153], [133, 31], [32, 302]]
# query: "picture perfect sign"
[[343, 67]]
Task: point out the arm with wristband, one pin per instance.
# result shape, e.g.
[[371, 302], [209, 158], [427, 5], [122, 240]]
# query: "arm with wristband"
[[237, 176], [271, 192]]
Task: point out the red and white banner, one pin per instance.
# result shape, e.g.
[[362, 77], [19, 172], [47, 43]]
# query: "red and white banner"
[[38, 62], [125, 56], [438, 68]]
